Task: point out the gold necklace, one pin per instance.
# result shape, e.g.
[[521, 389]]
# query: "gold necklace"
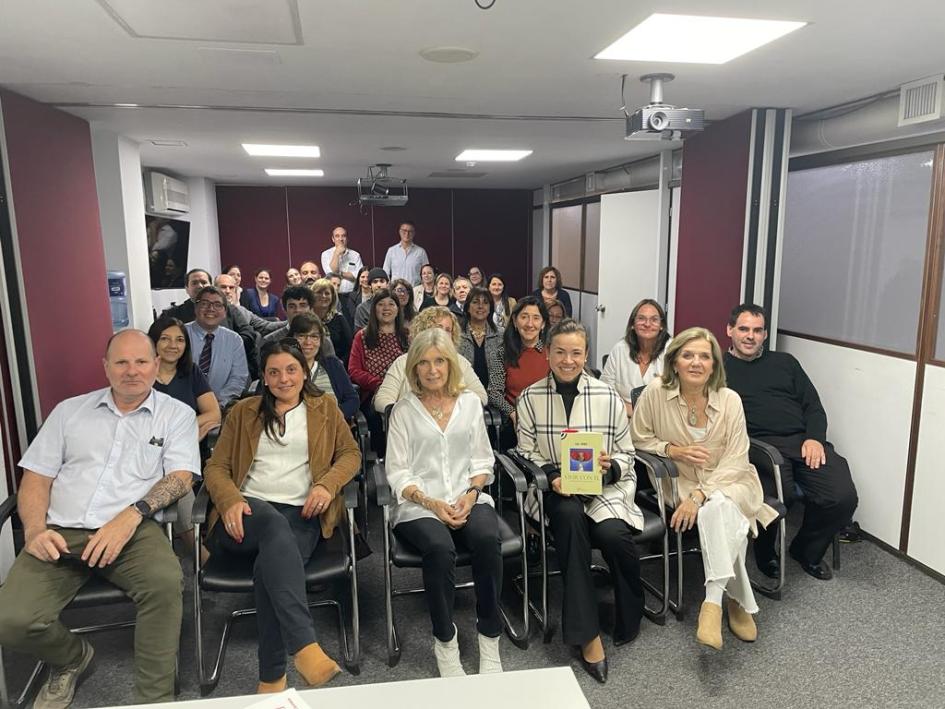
[[437, 412], [693, 417]]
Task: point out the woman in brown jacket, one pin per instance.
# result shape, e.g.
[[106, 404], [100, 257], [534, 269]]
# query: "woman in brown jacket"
[[275, 479]]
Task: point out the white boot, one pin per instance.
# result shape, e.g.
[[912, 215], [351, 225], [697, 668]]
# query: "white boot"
[[447, 656], [489, 661]]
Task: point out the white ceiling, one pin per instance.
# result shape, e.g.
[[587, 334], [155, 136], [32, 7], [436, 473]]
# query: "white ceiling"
[[360, 57]]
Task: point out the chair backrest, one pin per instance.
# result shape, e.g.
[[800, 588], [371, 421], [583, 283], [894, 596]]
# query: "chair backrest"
[[635, 395]]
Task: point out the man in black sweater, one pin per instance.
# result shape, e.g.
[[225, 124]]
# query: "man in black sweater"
[[782, 408]]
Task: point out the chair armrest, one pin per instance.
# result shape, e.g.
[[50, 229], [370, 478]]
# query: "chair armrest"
[[531, 470], [382, 496], [769, 450], [7, 509], [212, 437], [386, 417], [659, 466], [492, 416], [201, 504], [351, 490], [361, 423], [169, 513], [516, 475]]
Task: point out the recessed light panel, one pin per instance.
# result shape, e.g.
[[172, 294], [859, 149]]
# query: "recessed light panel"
[[695, 39], [282, 151], [277, 172], [476, 155]]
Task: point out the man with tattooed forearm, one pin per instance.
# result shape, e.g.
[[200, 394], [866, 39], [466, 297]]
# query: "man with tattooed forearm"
[[97, 474]]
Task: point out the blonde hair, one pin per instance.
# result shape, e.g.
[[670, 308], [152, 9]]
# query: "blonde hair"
[[438, 339], [323, 283], [429, 318], [671, 378]]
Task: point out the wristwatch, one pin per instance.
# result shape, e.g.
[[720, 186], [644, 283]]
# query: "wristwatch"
[[144, 509]]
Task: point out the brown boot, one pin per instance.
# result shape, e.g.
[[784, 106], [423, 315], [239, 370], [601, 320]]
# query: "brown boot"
[[315, 666], [741, 623], [272, 687], [709, 631]]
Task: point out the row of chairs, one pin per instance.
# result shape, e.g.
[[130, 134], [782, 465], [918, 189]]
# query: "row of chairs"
[[334, 565]]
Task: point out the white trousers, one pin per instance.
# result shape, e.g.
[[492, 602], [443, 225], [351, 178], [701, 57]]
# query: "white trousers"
[[723, 534]]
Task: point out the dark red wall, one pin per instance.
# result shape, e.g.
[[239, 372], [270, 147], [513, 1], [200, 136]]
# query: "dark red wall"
[[712, 224], [280, 227], [55, 205]]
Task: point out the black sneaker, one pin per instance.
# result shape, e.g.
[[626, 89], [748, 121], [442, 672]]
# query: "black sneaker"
[[59, 689], [850, 534]]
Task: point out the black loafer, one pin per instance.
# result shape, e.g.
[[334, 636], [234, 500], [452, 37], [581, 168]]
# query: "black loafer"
[[770, 568], [819, 571], [597, 670]]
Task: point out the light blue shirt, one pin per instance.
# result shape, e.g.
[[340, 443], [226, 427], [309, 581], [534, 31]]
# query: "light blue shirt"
[[405, 264], [102, 460], [229, 373]]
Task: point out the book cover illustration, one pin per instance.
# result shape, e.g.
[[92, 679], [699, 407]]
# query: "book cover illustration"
[[580, 466]]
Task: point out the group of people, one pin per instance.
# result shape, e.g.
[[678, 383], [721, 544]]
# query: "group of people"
[[438, 349]]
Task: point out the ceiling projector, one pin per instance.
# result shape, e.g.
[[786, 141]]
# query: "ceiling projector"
[[662, 121], [379, 189]]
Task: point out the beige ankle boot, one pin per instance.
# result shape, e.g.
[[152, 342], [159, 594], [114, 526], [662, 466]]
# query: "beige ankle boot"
[[741, 623], [447, 656], [489, 661], [709, 631]]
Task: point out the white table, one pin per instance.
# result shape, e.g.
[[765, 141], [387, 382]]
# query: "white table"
[[551, 688]]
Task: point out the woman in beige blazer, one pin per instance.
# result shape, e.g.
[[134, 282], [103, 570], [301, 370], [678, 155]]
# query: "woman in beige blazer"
[[689, 415], [276, 479]]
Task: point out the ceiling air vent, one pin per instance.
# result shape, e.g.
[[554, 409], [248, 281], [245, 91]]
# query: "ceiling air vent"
[[921, 101], [456, 173]]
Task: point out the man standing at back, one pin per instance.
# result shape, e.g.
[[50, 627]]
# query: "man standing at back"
[[95, 475], [217, 350], [342, 260], [404, 260], [782, 408]]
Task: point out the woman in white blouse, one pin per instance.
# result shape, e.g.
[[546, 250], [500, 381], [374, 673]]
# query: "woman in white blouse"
[[637, 359], [438, 461]]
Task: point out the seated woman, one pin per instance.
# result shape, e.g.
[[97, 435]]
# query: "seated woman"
[[396, 383], [326, 308], [438, 462], [475, 277], [373, 350], [689, 415], [275, 479], [555, 312], [570, 398], [424, 290], [480, 343], [362, 291], [179, 377], [442, 292], [550, 288], [259, 299], [637, 359], [501, 302], [522, 345], [326, 371], [404, 292]]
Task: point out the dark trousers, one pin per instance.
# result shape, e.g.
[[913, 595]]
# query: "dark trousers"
[[574, 535], [829, 500], [282, 542], [437, 544], [375, 422]]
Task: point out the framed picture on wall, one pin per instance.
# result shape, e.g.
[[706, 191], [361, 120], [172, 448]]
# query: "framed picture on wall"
[[168, 241]]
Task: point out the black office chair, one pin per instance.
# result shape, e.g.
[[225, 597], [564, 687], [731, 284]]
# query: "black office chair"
[[398, 552], [228, 573], [655, 530], [96, 593]]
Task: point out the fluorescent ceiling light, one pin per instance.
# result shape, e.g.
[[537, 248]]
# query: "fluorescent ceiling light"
[[277, 172], [473, 155], [282, 151], [695, 39]]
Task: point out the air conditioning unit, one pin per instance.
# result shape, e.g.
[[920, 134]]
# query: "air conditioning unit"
[[164, 195]]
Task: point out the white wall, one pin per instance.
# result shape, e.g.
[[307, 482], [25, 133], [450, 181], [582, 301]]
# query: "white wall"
[[868, 399], [117, 162], [925, 532], [204, 250]]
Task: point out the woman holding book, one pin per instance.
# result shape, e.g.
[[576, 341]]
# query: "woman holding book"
[[581, 403]]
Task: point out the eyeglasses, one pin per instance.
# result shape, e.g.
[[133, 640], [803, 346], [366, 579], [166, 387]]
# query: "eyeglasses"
[[643, 320], [210, 305], [401, 290], [309, 336]]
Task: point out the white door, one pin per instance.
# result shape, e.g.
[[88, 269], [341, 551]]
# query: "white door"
[[630, 245]]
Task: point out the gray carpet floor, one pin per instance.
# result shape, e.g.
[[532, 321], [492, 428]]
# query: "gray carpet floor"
[[874, 636]]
